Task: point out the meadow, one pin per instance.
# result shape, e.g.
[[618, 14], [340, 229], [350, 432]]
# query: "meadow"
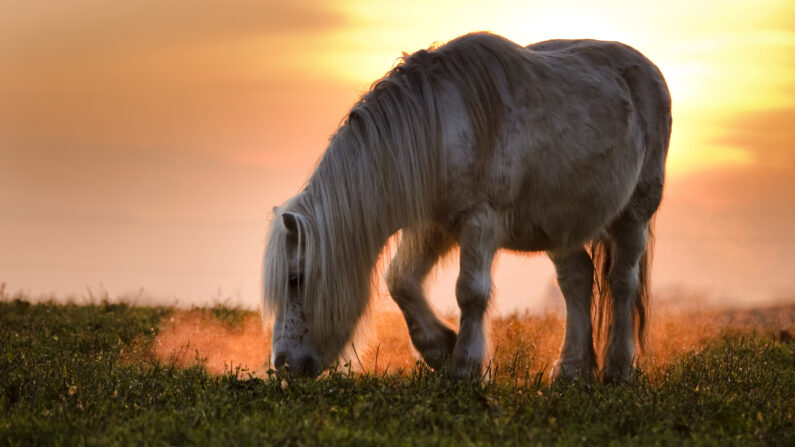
[[112, 373]]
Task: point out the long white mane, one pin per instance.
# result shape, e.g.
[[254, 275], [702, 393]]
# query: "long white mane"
[[383, 171]]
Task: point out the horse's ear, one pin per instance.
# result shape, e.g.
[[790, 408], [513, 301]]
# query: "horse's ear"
[[290, 223]]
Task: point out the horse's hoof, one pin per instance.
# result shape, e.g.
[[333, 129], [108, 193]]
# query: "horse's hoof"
[[465, 369], [437, 352], [617, 375], [573, 371]]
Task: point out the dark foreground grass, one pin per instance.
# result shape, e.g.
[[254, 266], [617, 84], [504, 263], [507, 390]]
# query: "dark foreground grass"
[[82, 375]]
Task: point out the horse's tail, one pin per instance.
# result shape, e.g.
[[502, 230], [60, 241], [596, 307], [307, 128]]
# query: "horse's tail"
[[602, 256]]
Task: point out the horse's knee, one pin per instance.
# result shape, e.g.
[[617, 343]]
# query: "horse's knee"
[[625, 280], [473, 292], [400, 284]]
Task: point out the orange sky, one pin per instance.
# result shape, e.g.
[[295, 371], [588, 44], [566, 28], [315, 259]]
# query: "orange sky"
[[142, 144]]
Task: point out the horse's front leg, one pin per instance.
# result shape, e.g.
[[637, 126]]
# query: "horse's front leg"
[[478, 239], [418, 251]]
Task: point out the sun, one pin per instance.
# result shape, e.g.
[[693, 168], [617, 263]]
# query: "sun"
[[716, 67]]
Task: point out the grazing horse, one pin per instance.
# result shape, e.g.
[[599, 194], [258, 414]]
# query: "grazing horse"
[[557, 147]]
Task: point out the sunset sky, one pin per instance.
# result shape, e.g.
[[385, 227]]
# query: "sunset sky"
[[143, 144]]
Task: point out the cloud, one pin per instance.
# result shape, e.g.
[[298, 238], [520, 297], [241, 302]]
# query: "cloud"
[[90, 28], [221, 77], [767, 135]]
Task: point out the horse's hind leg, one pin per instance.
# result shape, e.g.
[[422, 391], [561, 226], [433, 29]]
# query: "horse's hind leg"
[[418, 251], [575, 277], [629, 244]]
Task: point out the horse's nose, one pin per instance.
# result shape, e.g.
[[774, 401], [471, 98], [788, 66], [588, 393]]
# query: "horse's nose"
[[306, 366], [280, 360]]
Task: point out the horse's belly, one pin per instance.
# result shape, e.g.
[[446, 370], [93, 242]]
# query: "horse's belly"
[[529, 238], [564, 209], [553, 229]]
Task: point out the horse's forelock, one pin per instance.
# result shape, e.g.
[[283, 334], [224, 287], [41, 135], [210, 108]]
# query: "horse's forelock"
[[276, 266], [278, 256]]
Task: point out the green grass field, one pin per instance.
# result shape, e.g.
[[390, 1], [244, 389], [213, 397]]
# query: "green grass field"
[[74, 375]]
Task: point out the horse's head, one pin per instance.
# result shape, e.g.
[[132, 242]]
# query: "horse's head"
[[286, 290], [317, 281]]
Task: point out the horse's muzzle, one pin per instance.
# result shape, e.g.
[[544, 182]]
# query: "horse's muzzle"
[[304, 366]]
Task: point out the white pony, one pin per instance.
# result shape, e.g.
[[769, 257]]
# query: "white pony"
[[557, 147]]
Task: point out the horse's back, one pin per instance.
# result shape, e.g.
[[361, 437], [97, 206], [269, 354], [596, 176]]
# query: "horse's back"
[[645, 83]]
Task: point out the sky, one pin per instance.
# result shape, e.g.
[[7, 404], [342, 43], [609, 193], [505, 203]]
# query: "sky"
[[143, 144]]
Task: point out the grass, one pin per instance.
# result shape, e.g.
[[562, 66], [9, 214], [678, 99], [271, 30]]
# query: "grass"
[[72, 375]]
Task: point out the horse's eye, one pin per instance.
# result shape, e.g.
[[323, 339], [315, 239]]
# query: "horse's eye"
[[294, 280]]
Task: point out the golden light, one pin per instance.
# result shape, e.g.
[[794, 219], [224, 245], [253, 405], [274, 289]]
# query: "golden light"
[[720, 59]]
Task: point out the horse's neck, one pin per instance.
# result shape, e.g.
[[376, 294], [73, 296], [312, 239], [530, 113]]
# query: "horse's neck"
[[368, 227], [374, 191], [375, 205], [376, 222]]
